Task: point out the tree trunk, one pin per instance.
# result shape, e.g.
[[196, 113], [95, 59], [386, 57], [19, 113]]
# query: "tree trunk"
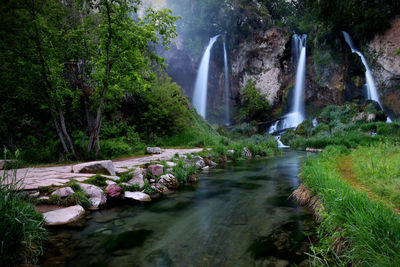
[[58, 130], [63, 131], [94, 133]]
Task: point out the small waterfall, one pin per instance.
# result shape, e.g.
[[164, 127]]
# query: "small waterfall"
[[372, 92], [297, 111], [200, 89], [227, 111], [280, 144]]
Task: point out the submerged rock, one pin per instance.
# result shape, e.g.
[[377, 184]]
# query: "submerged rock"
[[63, 192], [64, 216], [113, 190], [95, 194], [156, 169], [104, 167], [153, 150], [169, 181], [138, 196]]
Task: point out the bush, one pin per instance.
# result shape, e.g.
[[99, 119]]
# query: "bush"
[[165, 109], [254, 106], [21, 228]]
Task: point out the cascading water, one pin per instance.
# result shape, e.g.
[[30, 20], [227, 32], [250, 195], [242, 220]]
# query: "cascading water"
[[297, 111], [200, 89], [227, 111], [372, 92]]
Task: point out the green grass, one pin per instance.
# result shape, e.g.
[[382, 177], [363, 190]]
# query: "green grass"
[[377, 167], [22, 231], [368, 230]]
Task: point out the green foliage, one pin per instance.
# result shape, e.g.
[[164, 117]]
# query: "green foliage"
[[22, 231], [165, 110], [126, 176], [147, 188], [339, 113], [68, 64], [97, 180], [377, 168], [305, 128], [244, 129], [254, 106], [77, 198], [183, 171], [131, 188], [345, 15], [368, 229]]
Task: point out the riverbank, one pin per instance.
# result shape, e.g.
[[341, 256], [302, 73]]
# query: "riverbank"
[[33, 178], [355, 196]]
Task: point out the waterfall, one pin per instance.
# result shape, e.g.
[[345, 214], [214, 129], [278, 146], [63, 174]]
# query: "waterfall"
[[280, 144], [372, 92], [227, 111], [200, 89], [297, 111]]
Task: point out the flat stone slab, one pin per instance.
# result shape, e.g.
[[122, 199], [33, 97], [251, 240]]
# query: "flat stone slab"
[[64, 216], [33, 178], [104, 167], [138, 196]]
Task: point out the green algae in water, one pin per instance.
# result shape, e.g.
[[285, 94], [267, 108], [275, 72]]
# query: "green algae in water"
[[126, 240]]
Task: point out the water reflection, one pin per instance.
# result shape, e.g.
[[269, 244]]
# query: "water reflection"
[[238, 216]]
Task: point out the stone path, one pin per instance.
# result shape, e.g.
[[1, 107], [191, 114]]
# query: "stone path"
[[33, 178]]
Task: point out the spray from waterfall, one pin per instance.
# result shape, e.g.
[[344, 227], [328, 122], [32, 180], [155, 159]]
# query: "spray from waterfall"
[[200, 89], [372, 92], [227, 111]]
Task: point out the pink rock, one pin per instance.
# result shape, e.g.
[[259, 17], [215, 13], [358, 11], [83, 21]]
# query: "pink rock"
[[156, 169], [113, 190]]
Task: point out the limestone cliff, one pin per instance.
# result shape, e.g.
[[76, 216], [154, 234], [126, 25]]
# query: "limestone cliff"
[[386, 65], [261, 59]]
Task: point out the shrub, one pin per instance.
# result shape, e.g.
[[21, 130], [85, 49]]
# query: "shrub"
[[21, 228], [254, 106]]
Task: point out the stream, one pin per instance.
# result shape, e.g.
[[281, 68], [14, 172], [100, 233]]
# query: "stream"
[[236, 216]]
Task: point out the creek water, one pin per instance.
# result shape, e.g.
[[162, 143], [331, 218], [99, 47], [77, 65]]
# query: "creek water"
[[240, 215]]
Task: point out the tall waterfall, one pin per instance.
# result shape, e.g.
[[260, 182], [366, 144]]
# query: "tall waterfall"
[[297, 111], [372, 92], [227, 111], [200, 89]]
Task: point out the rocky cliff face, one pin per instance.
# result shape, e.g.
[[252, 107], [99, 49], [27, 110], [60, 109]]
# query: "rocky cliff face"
[[262, 59], [386, 65]]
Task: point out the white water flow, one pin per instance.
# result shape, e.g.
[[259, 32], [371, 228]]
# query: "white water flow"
[[227, 111], [372, 92], [280, 144], [297, 112], [200, 89]]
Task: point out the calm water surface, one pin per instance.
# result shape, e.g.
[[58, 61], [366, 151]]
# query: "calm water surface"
[[236, 216]]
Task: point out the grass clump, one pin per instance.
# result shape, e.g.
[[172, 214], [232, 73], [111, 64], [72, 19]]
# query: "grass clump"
[[22, 231], [97, 180], [77, 198], [183, 171], [355, 229]]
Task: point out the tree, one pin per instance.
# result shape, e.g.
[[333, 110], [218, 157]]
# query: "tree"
[[70, 57]]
